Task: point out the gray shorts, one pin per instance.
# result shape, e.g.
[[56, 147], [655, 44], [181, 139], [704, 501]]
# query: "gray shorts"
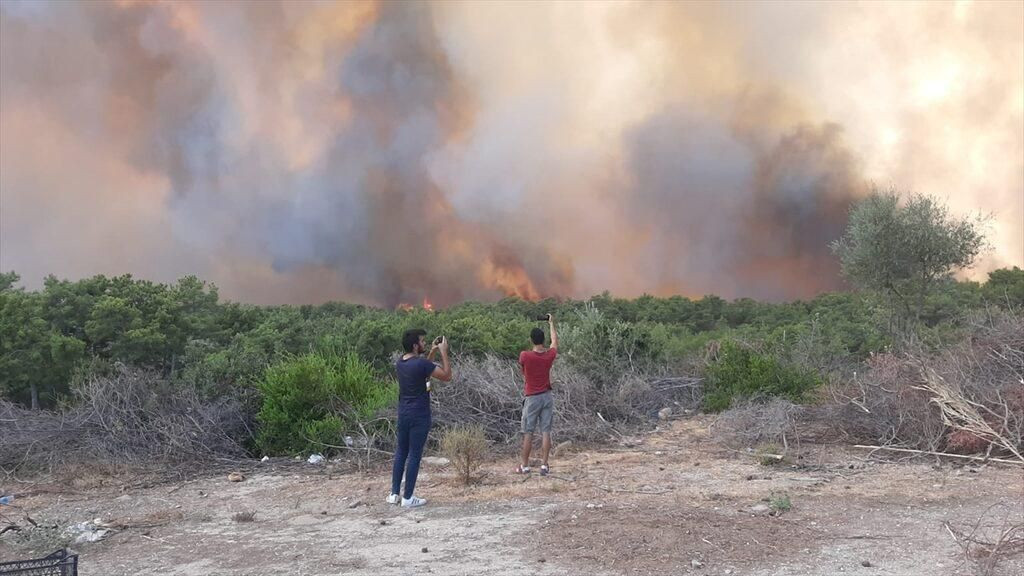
[[538, 409]]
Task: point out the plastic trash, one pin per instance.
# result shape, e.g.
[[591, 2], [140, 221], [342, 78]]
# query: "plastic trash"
[[315, 458], [265, 458], [90, 531], [6, 500]]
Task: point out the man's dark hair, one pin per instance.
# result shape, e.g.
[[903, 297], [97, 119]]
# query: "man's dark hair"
[[537, 336], [411, 338]]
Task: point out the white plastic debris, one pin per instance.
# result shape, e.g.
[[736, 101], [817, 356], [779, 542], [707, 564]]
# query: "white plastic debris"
[[315, 458], [265, 458], [94, 536], [90, 531]]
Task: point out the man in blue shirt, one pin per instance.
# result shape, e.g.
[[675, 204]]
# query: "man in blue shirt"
[[414, 372]]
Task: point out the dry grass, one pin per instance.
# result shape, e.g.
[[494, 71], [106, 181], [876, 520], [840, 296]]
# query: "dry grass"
[[466, 448]]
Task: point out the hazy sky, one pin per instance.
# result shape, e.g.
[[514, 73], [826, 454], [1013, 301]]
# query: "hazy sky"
[[383, 153]]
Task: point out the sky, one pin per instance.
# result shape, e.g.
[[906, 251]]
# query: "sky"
[[384, 153]]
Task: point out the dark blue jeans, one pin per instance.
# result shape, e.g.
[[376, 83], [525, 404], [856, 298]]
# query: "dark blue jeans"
[[412, 436]]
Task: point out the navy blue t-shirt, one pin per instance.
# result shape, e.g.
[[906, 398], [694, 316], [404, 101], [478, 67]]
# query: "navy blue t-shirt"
[[413, 396]]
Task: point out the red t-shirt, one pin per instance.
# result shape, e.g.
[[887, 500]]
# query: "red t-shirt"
[[537, 369]]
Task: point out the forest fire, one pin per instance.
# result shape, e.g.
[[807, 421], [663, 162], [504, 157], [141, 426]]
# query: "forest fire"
[[406, 307], [395, 125], [507, 275]]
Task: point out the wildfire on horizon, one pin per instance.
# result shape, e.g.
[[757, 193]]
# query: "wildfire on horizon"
[[406, 307], [380, 152]]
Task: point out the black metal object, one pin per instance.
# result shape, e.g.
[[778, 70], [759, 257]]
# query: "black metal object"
[[60, 563]]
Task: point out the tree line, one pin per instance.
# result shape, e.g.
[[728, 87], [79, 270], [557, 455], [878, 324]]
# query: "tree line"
[[898, 254]]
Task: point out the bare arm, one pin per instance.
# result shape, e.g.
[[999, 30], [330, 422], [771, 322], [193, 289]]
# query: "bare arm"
[[444, 371], [554, 334]]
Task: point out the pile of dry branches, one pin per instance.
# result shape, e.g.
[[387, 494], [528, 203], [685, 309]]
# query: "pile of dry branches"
[[489, 392], [979, 386], [965, 398], [131, 418], [754, 423]]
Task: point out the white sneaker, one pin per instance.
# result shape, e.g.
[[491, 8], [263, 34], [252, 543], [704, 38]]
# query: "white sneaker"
[[393, 499], [413, 502]]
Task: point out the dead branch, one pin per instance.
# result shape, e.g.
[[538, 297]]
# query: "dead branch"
[[944, 454]]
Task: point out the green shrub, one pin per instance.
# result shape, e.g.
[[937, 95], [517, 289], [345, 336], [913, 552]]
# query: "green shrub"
[[602, 348], [742, 373], [310, 400], [780, 504]]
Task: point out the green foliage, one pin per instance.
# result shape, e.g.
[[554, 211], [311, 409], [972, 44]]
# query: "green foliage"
[[36, 361], [741, 372], [8, 280], [70, 328], [780, 504], [1005, 287], [310, 400], [601, 348], [903, 250]]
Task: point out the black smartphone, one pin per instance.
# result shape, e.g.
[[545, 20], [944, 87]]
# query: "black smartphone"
[[544, 318], [437, 341]]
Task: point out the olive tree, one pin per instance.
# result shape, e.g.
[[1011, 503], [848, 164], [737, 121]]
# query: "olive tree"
[[903, 249]]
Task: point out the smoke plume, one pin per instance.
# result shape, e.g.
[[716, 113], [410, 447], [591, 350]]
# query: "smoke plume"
[[390, 152]]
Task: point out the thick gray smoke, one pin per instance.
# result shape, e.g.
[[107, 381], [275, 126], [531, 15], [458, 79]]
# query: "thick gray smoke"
[[391, 152]]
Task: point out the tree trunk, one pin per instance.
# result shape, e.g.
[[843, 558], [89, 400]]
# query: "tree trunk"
[[925, 283], [35, 395]]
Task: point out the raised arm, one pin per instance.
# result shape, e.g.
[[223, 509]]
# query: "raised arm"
[[444, 371], [554, 334]]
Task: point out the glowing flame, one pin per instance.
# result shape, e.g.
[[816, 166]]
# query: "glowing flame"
[[509, 277], [427, 305], [404, 307]]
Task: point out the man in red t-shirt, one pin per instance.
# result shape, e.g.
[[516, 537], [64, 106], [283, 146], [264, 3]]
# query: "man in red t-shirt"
[[539, 406]]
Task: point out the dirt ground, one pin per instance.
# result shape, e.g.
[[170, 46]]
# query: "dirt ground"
[[667, 503]]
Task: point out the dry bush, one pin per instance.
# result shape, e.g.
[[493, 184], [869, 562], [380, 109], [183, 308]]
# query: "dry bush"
[[978, 385], [488, 392], [466, 447], [997, 535], [245, 516], [882, 406], [132, 418], [753, 423], [965, 398]]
